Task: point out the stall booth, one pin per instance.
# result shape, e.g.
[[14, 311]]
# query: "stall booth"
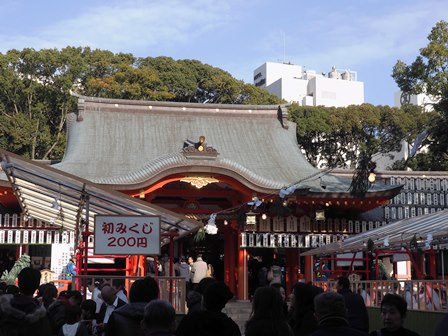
[[56, 204]]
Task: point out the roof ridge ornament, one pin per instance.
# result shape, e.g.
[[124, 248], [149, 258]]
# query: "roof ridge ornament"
[[199, 150], [282, 115]]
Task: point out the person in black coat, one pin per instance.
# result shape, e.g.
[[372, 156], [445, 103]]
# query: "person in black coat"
[[110, 302], [125, 321], [357, 314], [393, 313], [20, 314], [267, 317], [331, 315], [301, 315], [210, 321]]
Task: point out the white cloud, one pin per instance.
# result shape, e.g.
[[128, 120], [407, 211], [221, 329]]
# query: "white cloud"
[[128, 25]]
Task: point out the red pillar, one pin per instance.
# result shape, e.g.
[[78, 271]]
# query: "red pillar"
[[230, 248], [292, 269], [309, 268], [432, 263], [243, 281]]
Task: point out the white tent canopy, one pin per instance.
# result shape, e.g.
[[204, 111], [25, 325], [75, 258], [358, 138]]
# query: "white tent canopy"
[[394, 235], [65, 200]]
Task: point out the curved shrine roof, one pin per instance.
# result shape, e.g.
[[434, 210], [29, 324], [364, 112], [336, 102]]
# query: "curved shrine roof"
[[131, 144]]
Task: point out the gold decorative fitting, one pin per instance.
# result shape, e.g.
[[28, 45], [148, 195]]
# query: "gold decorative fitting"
[[199, 181]]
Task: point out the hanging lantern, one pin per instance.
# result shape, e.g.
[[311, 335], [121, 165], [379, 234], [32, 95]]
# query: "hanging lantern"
[[251, 221]]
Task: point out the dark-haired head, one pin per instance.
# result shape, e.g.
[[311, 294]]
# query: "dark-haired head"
[[144, 290], [216, 296], [267, 304], [28, 281], [88, 309], [344, 282], [281, 289], [159, 315], [303, 295], [329, 305], [204, 284], [74, 297], [396, 301]]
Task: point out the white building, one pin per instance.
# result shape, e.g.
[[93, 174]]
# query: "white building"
[[338, 88]]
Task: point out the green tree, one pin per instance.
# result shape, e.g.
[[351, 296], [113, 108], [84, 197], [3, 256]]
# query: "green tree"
[[428, 74], [35, 90], [335, 137]]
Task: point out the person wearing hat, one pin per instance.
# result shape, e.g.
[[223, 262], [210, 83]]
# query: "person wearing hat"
[[331, 315], [210, 321]]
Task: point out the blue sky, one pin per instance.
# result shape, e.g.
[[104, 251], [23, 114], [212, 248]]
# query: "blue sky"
[[367, 36]]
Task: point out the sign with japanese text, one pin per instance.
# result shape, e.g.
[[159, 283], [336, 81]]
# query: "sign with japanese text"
[[123, 235]]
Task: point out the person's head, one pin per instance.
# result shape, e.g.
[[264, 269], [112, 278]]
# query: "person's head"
[[190, 260], [50, 293], [204, 284], [281, 289], [267, 304], [182, 259], [74, 297], [199, 257], [72, 313], [88, 309], [329, 305], [94, 284], [393, 311], [118, 284], [159, 315], [108, 294], [216, 296], [144, 290], [28, 281], [302, 296], [343, 283]]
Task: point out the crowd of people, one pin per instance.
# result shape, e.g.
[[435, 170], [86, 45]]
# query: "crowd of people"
[[38, 309]]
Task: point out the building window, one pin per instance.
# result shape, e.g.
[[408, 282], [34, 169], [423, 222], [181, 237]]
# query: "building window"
[[425, 211], [409, 198], [422, 198], [435, 199], [412, 184], [392, 180], [442, 199], [418, 184], [406, 212], [412, 212], [386, 212], [428, 199], [431, 184], [438, 184], [400, 213], [394, 213], [419, 211], [403, 198], [415, 198]]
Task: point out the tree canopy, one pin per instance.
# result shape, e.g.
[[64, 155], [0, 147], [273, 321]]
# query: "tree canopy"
[[334, 137], [428, 74], [35, 90]]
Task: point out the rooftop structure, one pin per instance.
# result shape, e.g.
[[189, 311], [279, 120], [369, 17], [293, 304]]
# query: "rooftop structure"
[[293, 83]]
